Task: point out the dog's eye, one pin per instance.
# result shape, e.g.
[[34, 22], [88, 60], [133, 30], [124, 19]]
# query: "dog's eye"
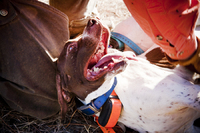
[[71, 47]]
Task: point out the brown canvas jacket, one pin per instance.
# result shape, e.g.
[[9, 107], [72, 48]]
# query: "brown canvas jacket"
[[30, 33]]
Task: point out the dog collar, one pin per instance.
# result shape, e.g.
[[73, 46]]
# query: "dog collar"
[[127, 41], [95, 106], [110, 112]]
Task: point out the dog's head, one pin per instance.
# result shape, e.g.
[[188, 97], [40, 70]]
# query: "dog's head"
[[83, 64]]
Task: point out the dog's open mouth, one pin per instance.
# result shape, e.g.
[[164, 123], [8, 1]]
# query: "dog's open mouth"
[[99, 62]]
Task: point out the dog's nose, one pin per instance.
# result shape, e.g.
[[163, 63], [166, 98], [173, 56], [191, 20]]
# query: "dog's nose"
[[91, 22]]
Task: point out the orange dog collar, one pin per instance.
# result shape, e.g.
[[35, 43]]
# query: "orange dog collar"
[[110, 113]]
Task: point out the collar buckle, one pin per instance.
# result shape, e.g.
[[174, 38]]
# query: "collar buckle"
[[89, 109]]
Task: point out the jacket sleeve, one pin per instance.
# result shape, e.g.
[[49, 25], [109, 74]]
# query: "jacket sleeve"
[[169, 23]]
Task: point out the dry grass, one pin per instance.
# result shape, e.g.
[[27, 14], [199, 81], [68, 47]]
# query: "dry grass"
[[14, 122], [75, 122]]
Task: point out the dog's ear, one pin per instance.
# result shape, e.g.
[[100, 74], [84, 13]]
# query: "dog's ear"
[[157, 57], [63, 96], [63, 81]]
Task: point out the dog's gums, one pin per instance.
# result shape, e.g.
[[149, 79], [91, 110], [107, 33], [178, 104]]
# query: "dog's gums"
[[92, 71], [101, 49]]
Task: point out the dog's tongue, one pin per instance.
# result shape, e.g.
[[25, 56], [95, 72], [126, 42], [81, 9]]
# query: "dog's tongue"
[[108, 59], [102, 67], [108, 63], [115, 57]]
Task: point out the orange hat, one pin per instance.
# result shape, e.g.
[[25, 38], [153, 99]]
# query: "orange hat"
[[169, 23]]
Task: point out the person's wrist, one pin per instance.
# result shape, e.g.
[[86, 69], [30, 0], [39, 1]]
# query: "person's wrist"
[[193, 60]]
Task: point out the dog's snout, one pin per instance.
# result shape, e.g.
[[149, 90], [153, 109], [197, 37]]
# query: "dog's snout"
[[91, 22]]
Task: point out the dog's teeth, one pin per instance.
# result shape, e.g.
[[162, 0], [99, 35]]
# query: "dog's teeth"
[[123, 57], [115, 60], [96, 69], [105, 67]]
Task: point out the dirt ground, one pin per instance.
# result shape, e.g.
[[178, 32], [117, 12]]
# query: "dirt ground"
[[111, 12]]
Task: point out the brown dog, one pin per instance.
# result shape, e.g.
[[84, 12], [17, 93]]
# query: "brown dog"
[[79, 51]]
